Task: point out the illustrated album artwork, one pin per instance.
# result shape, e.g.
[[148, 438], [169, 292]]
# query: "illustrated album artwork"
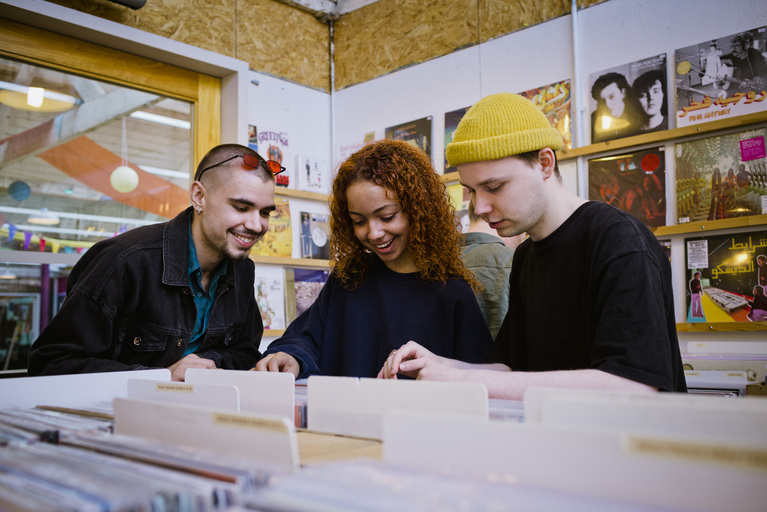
[[721, 177], [460, 197], [313, 174], [278, 240], [276, 146], [629, 99], [315, 236], [417, 133], [726, 277], [302, 286], [554, 102], [269, 297], [720, 78], [634, 182], [451, 123]]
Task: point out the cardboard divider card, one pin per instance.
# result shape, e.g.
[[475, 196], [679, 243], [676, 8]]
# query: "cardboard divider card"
[[672, 413], [260, 392], [76, 391], [205, 395], [355, 406], [270, 441], [649, 468]]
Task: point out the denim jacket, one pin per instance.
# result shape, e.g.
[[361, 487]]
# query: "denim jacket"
[[129, 307]]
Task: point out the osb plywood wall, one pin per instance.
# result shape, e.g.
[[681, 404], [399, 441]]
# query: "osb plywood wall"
[[392, 34], [369, 42], [272, 37]]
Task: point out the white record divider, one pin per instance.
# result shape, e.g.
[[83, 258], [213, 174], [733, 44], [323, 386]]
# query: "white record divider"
[[268, 440], [260, 392], [205, 395], [73, 391], [655, 469], [743, 419], [356, 406]]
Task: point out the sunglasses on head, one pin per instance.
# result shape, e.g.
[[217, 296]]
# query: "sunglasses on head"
[[251, 161]]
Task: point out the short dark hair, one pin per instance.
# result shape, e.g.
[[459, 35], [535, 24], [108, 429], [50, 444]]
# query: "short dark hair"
[[646, 80], [607, 79], [743, 39], [532, 158], [223, 151]]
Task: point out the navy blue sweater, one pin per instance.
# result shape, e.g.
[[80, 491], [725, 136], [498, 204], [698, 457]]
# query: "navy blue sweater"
[[351, 333]]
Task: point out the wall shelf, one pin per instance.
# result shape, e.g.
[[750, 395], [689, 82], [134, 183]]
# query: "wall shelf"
[[721, 326], [291, 262], [300, 194]]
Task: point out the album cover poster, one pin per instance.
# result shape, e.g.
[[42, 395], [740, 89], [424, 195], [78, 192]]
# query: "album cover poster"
[[554, 102], [253, 137], [278, 240], [313, 174], [460, 197], [629, 99], [315, 236], [451, 123], [302, 287], [417, 133], [634, 182], [721, 177], [723, 77], [270, 297], [726, 277], [276, 146]]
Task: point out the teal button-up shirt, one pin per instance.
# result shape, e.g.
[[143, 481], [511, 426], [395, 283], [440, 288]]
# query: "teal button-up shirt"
[[202, 300]]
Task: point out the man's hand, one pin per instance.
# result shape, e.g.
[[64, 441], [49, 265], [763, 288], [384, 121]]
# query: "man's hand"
[[279, 362], [178, 369], [408, 360]]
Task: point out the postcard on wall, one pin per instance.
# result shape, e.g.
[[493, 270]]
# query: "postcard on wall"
[[460, 197], [721, 177], [723, 77], [451, 123], [726, 277], [275, 146], [315, 236], [554, 102], [634, 182], [278, 241], [313, 174], [270, 295], [629, 100], [417, 133], [302, 286], [253, 137]]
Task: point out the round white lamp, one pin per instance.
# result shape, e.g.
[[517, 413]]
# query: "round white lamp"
[[124, 179]]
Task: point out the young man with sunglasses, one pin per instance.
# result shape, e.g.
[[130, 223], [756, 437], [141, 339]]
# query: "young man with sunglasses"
[[590, 302], [174, 295]]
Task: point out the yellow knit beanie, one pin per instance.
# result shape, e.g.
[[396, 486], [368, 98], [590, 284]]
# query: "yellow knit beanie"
[[498, 126]]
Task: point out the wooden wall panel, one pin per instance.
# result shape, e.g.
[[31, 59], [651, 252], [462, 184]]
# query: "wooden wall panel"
[[272, 37], [501, 17], [392, 34], [284, 41]]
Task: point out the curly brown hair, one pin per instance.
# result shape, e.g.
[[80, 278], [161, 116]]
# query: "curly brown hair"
[[407, 172]]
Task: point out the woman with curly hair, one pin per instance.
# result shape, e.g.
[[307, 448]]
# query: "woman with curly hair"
[[397, 273]]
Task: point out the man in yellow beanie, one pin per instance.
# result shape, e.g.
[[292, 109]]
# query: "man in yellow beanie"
[[590, 301]]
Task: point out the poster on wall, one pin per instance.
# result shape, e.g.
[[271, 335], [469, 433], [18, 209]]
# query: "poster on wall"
[[634, 182], [726, 277], [315, 236], [417, 133], [253, 137], [460, 197], [721, 177], [269, 297], [720, 78], [452, 119], [302, 286], [278, 240], [275, 146], [554, 102], [629, 99], [313, 174]]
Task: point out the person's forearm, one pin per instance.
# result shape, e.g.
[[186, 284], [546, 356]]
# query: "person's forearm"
[[512, 385]]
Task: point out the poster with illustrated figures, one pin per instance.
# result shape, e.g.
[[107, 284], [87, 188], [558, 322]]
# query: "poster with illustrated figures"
[[721, 78], [726, 277], [722, 177], [269, 297]]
